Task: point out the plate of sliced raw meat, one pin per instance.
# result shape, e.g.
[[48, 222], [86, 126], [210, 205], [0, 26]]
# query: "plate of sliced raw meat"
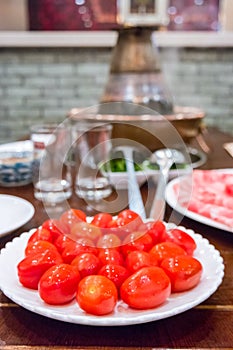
[[205, 196]]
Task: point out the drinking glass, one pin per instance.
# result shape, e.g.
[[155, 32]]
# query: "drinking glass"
[[93, 145], [51, 168]]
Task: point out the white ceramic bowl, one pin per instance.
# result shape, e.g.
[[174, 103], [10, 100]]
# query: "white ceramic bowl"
[[120, 179]]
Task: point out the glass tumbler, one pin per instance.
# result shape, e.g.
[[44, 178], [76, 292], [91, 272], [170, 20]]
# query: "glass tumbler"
[[93, 146], [51, 168]]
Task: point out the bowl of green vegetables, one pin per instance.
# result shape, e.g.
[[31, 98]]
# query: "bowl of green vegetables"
[[116, 170]]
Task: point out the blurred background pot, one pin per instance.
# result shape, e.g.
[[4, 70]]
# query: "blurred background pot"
[[147, 129], [136, 98]]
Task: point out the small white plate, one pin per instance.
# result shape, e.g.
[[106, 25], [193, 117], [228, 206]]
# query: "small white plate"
[[213, 272], [14, 213]]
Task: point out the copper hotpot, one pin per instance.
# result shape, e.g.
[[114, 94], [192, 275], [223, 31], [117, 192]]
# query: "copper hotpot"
[[135, 90], [149, 130]]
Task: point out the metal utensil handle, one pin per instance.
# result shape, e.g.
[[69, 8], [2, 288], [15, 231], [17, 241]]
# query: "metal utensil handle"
[[158, 206], [135, 199]]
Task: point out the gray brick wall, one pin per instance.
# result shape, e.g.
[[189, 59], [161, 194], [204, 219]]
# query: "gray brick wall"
[[41, 85], [202, 78]]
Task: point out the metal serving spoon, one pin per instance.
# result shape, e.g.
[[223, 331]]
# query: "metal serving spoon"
[[134, 194], [164, 158]]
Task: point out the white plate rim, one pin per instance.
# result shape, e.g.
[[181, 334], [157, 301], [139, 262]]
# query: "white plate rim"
[[29, 212], [213, 272], [17, 146], [172, 201]]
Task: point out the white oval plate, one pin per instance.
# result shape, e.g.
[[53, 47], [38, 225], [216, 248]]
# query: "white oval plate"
[[213, 271], [14, 213], [172, 200]]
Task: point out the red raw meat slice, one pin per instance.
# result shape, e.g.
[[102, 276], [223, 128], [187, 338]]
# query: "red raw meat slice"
[[211, 196], [229, 189], [227, 202]]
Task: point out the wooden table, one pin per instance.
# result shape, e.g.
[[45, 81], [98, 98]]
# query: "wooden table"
[[209, 325]]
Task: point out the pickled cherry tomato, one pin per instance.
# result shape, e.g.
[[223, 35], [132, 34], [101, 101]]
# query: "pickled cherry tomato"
[[38, 247], [69, 218], [166, 250], [58, 285], [111, 256], [184, 272], [31, 268], [87, 264], [73, 249], [53, 226], [156, 230], [109, 240], [102, 220], [181, 238], [61, 242], [130, 218], [97, 295], [85, 230], [136, 241], [137, 259], [147, 288], [41, 234], [116, 273]]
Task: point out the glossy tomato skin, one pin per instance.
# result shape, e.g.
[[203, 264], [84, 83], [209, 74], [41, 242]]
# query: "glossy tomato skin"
[[118, 226], [31, 268], [113, 224], [97, 295], [87, 264], [73, 249], [38, 247], [69, 218], [85, 230], [181, 238], [120, 231], [58, 285], [102, 220], [130, 218], [156, 230], [53, 226], [111, 256], [166, 250], [138, 259], [109, 240], [147, 288], [116, 273], [136, 241], [128, 215], [79, 214], [41, 234], [61, 242], [184, 272]]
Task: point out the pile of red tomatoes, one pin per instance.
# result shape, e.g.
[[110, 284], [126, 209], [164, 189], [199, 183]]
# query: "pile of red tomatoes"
[[108, 259]]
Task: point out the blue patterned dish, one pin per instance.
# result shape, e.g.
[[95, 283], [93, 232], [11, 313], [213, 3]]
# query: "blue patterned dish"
[[15, 168]]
